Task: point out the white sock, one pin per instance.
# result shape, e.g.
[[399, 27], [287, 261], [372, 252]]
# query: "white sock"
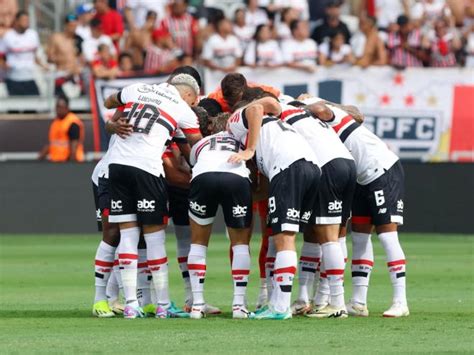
[[321, 296], [144, 279], [307, 265], [333, 261], [104, 263], [240, 273], [343, 244], [197, 272], [269, 265], [158, 265], [396, 265], [362, 264], [112, 290], [283, 275], [183, 241], [128, 259]]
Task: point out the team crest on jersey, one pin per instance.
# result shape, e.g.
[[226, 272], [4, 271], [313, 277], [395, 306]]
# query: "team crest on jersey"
[[239, 211]]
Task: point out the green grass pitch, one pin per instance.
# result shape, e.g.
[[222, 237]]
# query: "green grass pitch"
[[46, 291]]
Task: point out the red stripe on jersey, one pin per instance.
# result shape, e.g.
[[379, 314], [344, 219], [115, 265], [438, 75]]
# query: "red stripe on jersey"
[[287, 113], [198, 149], [128, 104], [196, 267], [128, 256], [335, 272], [158, 261], [396, 262], [191, 130], [182, 259], [343, 122], [361, 220], [121, 108], [323, 275], [169, 118], [285, 270], [142, 265], [240, 272], [116, 262], [363, 262], [104, 263], [309, 258]]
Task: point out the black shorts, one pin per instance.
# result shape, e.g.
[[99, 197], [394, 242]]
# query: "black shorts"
[[231, 191], [293, 194], [336, 190], [98, 212], [136, 195], [178, 205], [381, 201]]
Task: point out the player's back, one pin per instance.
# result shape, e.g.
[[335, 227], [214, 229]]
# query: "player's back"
[[211, 154]]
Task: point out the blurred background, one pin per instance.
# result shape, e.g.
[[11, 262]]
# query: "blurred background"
[[406, 63]]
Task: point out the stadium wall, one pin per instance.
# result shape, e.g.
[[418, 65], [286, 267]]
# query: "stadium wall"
[[40, 197]]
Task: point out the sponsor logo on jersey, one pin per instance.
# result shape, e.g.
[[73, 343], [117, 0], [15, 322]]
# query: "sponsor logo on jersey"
[[293, 214], [146, 206], [400, 205], [335, 206], [197, 208], [116, 205], [239, 211], [98, 215], [306, 216], [382, 210]]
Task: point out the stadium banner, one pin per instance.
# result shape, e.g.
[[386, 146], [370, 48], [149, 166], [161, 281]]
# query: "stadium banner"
[[422, 114], [99, 90]]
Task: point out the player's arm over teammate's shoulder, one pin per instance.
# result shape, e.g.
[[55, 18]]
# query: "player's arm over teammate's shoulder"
[[121, 97], [321, 110], [118, 125]]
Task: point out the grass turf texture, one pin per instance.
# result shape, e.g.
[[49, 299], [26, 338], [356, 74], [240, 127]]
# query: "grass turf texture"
[[46, 292]]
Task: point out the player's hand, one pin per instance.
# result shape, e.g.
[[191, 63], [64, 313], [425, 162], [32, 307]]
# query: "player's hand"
[[241, 156], [121, 128], [304, 96]]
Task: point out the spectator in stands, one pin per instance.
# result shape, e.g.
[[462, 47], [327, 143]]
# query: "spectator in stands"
[[300, 52], [85, 13], [283, 31], [105, 66], [163, 56], [263, 51], [243, 32], [66, 136], [222, 50], [136, 12], [387, 12], [404, 45], [367, 46], [20, 45], [64, 50], [426, 12], [140, 39], [90, 46], [331, 23], [125, 63], [336, 51], [254, 15], [299, 6], [184, 28], [442, 45], [111, 20]]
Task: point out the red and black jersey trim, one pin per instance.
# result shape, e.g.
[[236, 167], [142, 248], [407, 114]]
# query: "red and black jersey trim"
[[269, 119], [345, 134]]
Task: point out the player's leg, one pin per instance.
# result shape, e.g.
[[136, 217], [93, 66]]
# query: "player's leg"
[[123, 211], [262, 298], [386, 201], [347, 200], [144, 280], [202, 210]]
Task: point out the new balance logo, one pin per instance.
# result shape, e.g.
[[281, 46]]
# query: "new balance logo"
[[98, 215], [293, 214], [400, 205], [196, 207], [335, 206], [274, 220], [306, 216], [116, 205], [239, 211], [146, 206], [382, 210]]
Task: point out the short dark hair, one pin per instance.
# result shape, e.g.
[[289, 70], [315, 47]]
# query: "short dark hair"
[[203, 119], [402, 20], [293, 25], [124, 55], [64, 98], [233, 85], [220, 122], [95, 22], [187, 69], [20, 14], [212, 107]]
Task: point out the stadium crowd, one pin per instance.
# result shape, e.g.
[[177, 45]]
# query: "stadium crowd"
[[117, 38]]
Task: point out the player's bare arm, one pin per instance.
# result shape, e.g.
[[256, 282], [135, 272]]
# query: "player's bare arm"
[[174, 174], [118, 125], [113, 101]]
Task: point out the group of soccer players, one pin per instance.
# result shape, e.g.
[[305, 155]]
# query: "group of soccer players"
[[307, 165]]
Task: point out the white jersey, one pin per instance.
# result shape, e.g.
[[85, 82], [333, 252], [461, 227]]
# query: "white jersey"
[[101, 169], [372, 156], [20, 50], [305, 52], [155, 112], [221, 51], [278, 147], [322, 139], [212, 154], [267, 53]]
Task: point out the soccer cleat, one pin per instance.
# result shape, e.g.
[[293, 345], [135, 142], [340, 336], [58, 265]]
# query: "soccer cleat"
[[262, 298], [161, 312], [269, 313], [240, 312], [197, 312], [175, 312], [261, 309], [397, 310], [356, 309], [101, 309], [116, 307], [132, 312], [208, 309], [300, 308], [150, 309], [328, 312]]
